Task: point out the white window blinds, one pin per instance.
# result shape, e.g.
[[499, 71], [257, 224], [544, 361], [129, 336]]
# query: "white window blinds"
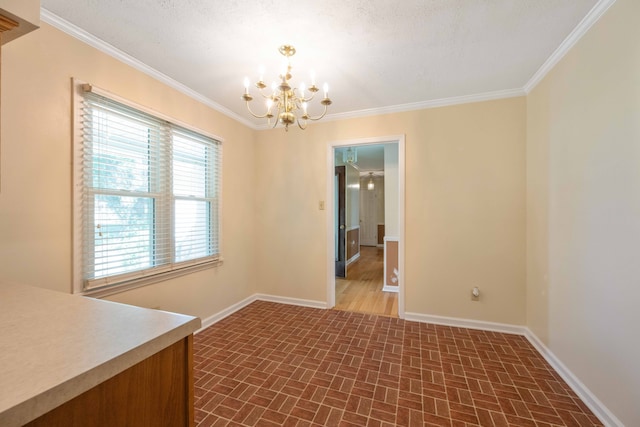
[[150, 194]]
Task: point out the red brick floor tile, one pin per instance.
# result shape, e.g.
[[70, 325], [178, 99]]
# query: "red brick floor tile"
[[278, 365]]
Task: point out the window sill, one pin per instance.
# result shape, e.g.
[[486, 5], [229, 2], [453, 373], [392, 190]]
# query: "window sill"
[[112, 289]]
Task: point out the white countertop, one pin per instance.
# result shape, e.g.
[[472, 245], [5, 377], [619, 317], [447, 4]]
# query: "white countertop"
[[55, 346]]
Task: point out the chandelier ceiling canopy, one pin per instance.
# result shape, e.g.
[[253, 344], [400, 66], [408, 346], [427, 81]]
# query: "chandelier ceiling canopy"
[[285, 103]]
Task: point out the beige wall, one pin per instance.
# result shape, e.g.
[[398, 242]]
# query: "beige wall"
[[466, 171], [465, 208], [465, 226], [35, 198], [584, 210]]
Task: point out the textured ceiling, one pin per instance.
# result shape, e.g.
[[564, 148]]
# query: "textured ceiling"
[[374, 54]]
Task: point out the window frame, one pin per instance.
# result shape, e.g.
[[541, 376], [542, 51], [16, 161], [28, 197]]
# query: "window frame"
[[154, 274]]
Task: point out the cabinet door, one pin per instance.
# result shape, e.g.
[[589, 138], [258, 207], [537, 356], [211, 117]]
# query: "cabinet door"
[[156, 392]]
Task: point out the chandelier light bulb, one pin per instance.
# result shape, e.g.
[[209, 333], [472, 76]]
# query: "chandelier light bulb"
[[246, 85], [313, 78], [302, 90], [261, 72], [326, 90]]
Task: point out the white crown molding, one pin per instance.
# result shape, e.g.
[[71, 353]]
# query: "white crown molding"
[[422, 105], [587, 22], [85, 37], [580, 30], [433, 103], [596, 406]]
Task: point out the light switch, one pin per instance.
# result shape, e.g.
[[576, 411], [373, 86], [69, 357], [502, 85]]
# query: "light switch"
[[321, 205]]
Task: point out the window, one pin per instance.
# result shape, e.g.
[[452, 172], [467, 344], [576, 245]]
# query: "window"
[[148, 193]]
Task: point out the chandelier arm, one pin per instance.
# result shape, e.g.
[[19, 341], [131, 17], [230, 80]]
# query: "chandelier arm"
[[257, 115], [261, 92], [309, 99], [321, 116], [301, 126]]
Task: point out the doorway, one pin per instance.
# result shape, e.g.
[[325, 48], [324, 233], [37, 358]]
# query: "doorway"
[[370, 259]]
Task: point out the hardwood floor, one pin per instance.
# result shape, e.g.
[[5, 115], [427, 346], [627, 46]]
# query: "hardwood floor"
[[361, 291]]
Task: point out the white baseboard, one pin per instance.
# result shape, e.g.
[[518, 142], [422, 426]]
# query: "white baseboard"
[[466, 323], [387, 288], [353, 258], [258, 297], [291, 301], [596, 406], [226, 312]]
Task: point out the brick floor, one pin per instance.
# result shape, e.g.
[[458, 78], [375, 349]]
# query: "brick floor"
[[281, 365]]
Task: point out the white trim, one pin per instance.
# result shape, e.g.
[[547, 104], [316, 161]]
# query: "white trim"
[[85, 37], [353, 258], [401, 230], [433, 103], [330, 266], [388, 288], [215, 318], [291, 301], [89, 87], [580, 30], [355, 227], [466, 323], [138, 282], [587, 22], [111, 285], [596, 406]]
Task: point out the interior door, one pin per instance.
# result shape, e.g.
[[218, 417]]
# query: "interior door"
[[368, 217], [340, 221]]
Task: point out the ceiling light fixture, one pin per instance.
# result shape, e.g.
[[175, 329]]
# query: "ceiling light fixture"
[[370, 185], [350, 156], [285, 102]]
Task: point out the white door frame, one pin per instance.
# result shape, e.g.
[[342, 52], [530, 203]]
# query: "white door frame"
[[331, 256]]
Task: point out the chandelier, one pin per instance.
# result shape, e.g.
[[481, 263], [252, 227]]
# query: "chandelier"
[[286, 103]]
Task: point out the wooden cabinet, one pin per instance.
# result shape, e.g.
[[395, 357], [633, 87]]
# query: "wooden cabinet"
[[74, 361], [156, 392]]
